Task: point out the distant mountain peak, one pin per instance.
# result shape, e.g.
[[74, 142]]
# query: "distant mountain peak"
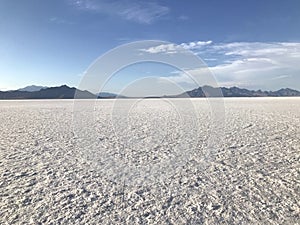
[[32, 88], [61, 92]]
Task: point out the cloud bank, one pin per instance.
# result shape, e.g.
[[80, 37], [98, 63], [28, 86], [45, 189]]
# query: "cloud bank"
[[245, 64]]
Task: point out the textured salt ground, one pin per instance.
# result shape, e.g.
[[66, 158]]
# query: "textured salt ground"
[[252, 178]]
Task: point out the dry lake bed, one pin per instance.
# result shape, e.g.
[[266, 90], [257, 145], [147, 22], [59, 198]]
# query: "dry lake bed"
[[150, 162]]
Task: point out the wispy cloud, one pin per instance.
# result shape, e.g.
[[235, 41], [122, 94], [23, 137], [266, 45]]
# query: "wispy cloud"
[[246, 64], [178, 78], [136, 11], [259, 63], [174, 48], [183, 17], [57, 20], [280, 77], [144, 13]]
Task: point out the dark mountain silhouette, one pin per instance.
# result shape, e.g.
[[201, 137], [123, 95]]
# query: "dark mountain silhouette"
[[65, 92], [208, 91], [62, 92]]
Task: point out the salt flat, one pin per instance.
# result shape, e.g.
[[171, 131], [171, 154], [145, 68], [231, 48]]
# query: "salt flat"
[[53, 173]]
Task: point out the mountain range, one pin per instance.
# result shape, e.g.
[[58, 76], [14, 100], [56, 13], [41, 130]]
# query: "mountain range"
[[65, 92], [62, 92], [32, 88], [206, 91]]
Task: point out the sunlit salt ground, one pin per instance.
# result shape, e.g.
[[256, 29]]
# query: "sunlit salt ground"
[[149, 162]]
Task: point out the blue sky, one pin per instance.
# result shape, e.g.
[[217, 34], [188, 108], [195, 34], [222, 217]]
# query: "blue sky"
[[253, 44]]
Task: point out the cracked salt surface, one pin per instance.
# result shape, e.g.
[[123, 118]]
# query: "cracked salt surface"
[[253, 177]]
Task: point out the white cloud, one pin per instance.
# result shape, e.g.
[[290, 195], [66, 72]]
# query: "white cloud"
[[260, 64], [166, 48], [144, 13], [245, 64], [174, 48]]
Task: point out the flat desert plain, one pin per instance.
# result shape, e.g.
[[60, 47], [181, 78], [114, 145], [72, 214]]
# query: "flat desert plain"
[[157, 163]]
